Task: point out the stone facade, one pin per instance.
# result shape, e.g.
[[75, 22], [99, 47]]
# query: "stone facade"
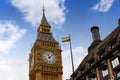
[[45, 60]]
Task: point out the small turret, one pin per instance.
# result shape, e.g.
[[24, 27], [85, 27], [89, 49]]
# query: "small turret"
[[95, 33], [96, 39]]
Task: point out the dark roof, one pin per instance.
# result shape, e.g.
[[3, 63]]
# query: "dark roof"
[[46, 37], [114, 34], [95, 27], [44, 20]]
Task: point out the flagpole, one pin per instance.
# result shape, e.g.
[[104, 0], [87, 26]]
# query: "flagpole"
[[71, 55]]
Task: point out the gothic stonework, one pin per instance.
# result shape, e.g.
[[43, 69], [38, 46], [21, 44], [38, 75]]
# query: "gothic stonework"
[[45, 61]]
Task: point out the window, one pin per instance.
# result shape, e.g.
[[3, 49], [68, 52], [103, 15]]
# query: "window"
[[115, 62], [105, 72], [118, 74]]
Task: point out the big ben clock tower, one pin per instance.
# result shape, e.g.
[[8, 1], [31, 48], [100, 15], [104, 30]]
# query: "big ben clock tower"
[[45, 61]]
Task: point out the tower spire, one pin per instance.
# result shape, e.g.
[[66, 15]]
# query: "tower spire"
[[43, 10], [44, 20], [44, 25]]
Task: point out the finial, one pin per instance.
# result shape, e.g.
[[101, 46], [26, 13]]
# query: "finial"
[[43, 9], [119, 21], [44, 20]]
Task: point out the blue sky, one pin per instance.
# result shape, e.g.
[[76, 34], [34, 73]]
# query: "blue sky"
[[19, 20]]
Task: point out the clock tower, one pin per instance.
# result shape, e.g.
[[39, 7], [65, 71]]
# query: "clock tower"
[[45, 60]]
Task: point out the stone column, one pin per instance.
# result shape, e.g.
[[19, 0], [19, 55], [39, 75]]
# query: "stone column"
[[98, 74], [110, 69]]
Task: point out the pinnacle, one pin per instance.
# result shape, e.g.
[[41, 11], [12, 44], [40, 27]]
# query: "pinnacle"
[[44, 20]]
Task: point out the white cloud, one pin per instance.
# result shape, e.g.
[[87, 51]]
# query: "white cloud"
[[103, 5], [18, 69], [32, 10], [10, 33], [77, 50], [78, 54], [13, 70]]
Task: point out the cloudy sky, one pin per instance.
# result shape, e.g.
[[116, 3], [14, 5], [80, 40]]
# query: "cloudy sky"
[[19, 20]]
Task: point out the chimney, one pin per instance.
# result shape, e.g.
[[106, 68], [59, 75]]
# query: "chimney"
[[95, 33]]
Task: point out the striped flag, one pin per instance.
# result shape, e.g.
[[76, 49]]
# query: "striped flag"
[[65, 39]]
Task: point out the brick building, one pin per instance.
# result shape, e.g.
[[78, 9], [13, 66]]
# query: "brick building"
[[103, 59]]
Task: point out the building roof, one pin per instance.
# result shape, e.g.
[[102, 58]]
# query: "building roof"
[[46, 37], [43, 34], [115, 34], [44, 20]]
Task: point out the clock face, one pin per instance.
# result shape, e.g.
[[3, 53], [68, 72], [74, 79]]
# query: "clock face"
[[49, 57]]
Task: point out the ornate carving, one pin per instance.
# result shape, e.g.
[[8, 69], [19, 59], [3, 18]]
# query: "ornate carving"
[[46, 42]]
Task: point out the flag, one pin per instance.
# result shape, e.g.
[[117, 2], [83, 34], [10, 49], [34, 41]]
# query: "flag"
[[65, 39]]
